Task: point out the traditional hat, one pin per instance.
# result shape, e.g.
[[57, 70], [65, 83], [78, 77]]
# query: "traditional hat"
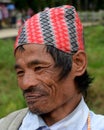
[[59, 27]]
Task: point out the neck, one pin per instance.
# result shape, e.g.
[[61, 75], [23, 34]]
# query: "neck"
[[61, 112]]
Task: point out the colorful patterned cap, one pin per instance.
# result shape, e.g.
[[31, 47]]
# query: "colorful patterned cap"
[[59, 27]]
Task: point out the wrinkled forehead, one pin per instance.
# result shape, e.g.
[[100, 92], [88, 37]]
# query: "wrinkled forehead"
[[31, 48], [33, 53], [59, 27]]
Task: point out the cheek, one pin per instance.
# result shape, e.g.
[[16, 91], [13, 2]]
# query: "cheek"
[[20, 82], [48, 78], [50, 83], [52, 88], [50, 74], [56, 94]]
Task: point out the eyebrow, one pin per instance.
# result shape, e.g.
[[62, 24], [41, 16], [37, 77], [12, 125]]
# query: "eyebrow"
[[32, 63]]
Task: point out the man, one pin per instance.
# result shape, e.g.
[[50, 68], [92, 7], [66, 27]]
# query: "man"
[[51, 71]]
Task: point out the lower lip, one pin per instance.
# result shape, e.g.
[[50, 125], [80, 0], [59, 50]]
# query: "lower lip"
[[31, 100]]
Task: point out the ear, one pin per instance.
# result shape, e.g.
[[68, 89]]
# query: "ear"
[[79, 63]]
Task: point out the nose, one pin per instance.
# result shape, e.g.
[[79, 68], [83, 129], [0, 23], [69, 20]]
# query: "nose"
[[29, 80]]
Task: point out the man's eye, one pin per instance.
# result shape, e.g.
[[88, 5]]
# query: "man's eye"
[[20, 73], [38, 68]]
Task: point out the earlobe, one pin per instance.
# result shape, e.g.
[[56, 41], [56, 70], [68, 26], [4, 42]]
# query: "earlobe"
[[79, 63]]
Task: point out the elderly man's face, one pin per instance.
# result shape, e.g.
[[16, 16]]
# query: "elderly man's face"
[[38, 78]]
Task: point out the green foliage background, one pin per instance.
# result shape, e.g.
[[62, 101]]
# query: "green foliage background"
[[11, 97]]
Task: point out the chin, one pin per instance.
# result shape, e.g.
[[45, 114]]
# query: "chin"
[[36, 110]]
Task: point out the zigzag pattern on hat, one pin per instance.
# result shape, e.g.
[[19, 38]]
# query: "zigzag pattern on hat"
[[70, 20], [59, 27], [47, 30], [23, 36]]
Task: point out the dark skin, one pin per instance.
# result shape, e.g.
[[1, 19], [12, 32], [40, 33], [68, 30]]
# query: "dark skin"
[[38, 78]]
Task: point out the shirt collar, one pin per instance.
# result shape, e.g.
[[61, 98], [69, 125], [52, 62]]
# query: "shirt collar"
[[77, 118], [32, 122]]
